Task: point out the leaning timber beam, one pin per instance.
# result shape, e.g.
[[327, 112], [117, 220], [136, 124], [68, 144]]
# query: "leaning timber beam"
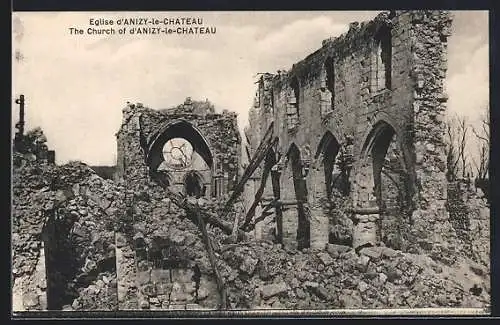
[[260, 154], [265, 175], [264, 214]]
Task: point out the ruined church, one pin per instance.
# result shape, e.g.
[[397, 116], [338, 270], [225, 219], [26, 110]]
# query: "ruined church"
[[336, 184]]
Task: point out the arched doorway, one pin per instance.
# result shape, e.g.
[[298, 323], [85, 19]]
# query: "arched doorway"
[[193, 185], [383, 190], [331, 188], [300, 188]]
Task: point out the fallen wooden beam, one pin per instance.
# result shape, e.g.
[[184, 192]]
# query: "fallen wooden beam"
[[267, 143], [258, 195], [183, 203]]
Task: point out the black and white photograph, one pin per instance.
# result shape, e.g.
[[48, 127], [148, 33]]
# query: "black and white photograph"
[[253, 161]]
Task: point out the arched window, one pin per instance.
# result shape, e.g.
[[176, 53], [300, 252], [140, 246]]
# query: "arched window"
[[177, 153], [382, 60], [327, 89], [293, 111]]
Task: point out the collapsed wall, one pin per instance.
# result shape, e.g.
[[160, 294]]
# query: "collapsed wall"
[[63, 237], [188, 149]]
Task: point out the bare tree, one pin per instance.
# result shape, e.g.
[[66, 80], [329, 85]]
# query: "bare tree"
[[457, 161], [482, 163]]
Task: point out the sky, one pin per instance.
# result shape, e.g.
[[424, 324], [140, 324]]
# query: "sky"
[[76, 86]]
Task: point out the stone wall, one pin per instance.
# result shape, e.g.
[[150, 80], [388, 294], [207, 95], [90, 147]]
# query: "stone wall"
[[382, 81], [141, 136], [470, 218]]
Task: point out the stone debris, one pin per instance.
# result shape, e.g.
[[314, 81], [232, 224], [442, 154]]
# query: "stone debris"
[[49, 212]]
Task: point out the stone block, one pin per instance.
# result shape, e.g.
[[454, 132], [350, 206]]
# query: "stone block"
[[193, 307], [143, 277], [31, 300], [374, 253], [274, 289], [326, 259], [362, 263], [160, 275], [182, 275], [144, 304], [336, 250], [248, 265], [149, 290]]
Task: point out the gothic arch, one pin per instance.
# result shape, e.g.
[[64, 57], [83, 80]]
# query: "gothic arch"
[[301, 196], [326, 154], [178, 129], [384, 180]]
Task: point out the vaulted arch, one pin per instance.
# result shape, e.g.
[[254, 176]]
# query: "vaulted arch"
[[178, 129], [301, 196], [384, 181], [376, 145], [326, 154]]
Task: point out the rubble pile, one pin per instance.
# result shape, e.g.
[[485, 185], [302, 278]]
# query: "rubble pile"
[[261, 274], [80, 212], [65, 213], [340, 223]]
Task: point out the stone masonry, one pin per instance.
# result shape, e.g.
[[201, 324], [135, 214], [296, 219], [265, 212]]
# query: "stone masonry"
[[365, 101]]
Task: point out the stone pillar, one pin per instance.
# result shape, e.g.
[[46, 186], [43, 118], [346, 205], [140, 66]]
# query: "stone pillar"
[[41, 279], [276, 177], [366, 211], [225, 183], [289, 211], [317, 200], [290, 222], [219, 186], [208, 190], [365, 230], [125, 274]]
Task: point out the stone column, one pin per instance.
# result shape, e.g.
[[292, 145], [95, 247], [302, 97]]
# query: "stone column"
[[317, 199], [290, 222], [289, 212], [208, 190], [366, 212], [276, 176], [225, 183], [365, 229]]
